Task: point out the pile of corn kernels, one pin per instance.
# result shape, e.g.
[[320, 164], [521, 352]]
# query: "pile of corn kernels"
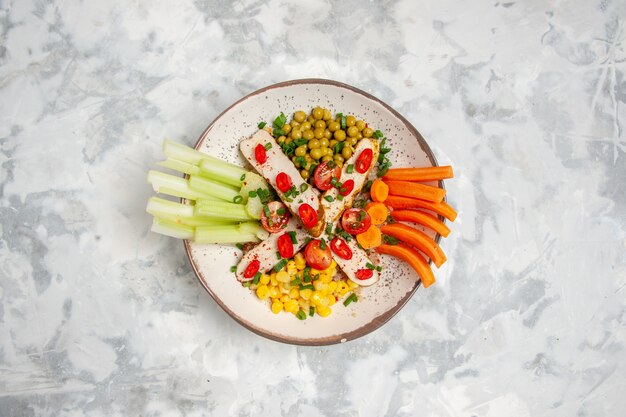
[[286, 290]]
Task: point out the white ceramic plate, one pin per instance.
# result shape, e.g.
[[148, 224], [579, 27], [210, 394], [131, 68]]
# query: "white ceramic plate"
[[378, 303]]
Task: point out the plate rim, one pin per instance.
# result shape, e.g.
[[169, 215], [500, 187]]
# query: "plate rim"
[[377, 322]]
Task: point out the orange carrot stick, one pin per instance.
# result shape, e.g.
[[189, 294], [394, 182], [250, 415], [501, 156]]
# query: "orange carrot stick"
[[418, 239], [379, 191], [413, 258], [442, 208], [378, 212], [370, 238], [416, 190], [422, 218], [419, 174]]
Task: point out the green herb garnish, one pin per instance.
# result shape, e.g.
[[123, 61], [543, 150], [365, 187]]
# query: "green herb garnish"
[[261, 125], [329, 198], [350, 169], [350, 299], [292, 235], [256, 279], [280, 265]]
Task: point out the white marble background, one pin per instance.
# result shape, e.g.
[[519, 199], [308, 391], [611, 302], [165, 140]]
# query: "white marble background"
[[526, 99]]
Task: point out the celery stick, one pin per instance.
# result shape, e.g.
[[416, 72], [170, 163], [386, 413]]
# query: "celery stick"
[[223, 234], [180, 166], [222, 210], [213, 188], [179, 213], [223, 172], [256, 228], [172, 185], [172, 229]]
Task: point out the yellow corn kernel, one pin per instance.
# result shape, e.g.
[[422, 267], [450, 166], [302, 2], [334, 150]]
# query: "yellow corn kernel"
[[304, 304], [352, 284], [292, 270], [299, 258], [342, 287], [291, 306], [274, 292], [262, 291], [306, 293], [285, 298], [286, 286], [331, 300], [273, 280], [324, 301], [291, 264], [326, 278], [318, 285], [265, 279], [316, 297], [332, 286], [294, 293], [333, 264], [314, 272], [324, 311], [277, 307], [282, 276]]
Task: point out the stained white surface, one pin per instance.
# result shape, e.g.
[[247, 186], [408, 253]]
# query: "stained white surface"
[[99, 317]]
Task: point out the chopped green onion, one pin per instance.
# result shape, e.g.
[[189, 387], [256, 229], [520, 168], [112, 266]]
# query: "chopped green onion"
[[280, 265], [382, 172], [342, 190], [315, 277], [322, 244], [279, 132], [377, 134], [280, 120], [339, 147], [243, 177], [266, 210], [343, 121], [329, 198], [362, 215], [350, 299], [333, 181], [350, 169], [246, 284], [252, 194], [268, 146], [301, 315], [257, 277], [261, 125], [390, 240], [233, 268], [278, 255], [370, 266], [311, 311], [329, 229], [239, 246], [379, 268], [340, 197], [292, 235], [300, 142], [295, 282], [238, 199], [367, 186], [303, 187], [281, 211]]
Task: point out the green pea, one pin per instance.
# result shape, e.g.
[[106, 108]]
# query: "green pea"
[[295, 161], [305, 173], [328, 134], [338, 158], [286, 128], [301, 150], [320, 124], [294, 124], [352, 141], [299, 116], [360, 136], [353, 132], [346, 152], [367, 132], [281, 139], [324, 143], [333, 142], [318, 133], [327, 115], [296, 134], [329, 151], [360, 124], [311, 119], [316, 153], [350, 121], [334, 126], [288, 141], [327, 158], [305, 126], [314, 144], [308, 134], [340, 135], [318, 113]]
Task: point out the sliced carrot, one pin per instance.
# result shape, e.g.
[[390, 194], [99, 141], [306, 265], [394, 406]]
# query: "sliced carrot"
[[413, 258], [378, 212], [442, 208], [419, 174], [418, 239], [416, 190], [422, 218], [379, 191], [370, 238]]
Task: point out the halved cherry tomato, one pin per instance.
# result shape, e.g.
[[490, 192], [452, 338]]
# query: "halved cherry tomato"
[[324, 174], [308, 215], [285, 246], [347, 188], [355, 221], [341, 248], [365, 273], [276, 221], [252, 268], [283, 182], [364, 161], [317, 257], [260, 154]]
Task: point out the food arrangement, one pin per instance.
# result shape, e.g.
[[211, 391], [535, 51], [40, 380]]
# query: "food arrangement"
[[313, 218]]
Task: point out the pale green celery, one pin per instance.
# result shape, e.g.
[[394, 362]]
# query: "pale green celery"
[[223, 234], [213, 188], [223, 172], [172, 229], [175, 186], [254, 207], [255, 228], [179, 213], [181, 166], [252, 182], [221, 210]]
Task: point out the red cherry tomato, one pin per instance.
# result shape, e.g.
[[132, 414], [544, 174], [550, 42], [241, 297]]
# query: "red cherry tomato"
[[341, 248], [285, 246], [260, 154], [355, 221], [324, 174], [364, 161], [347, 188], [283, 182], [308, 215], [278, 218], [252, 268], [317, 257], [365, 273]]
